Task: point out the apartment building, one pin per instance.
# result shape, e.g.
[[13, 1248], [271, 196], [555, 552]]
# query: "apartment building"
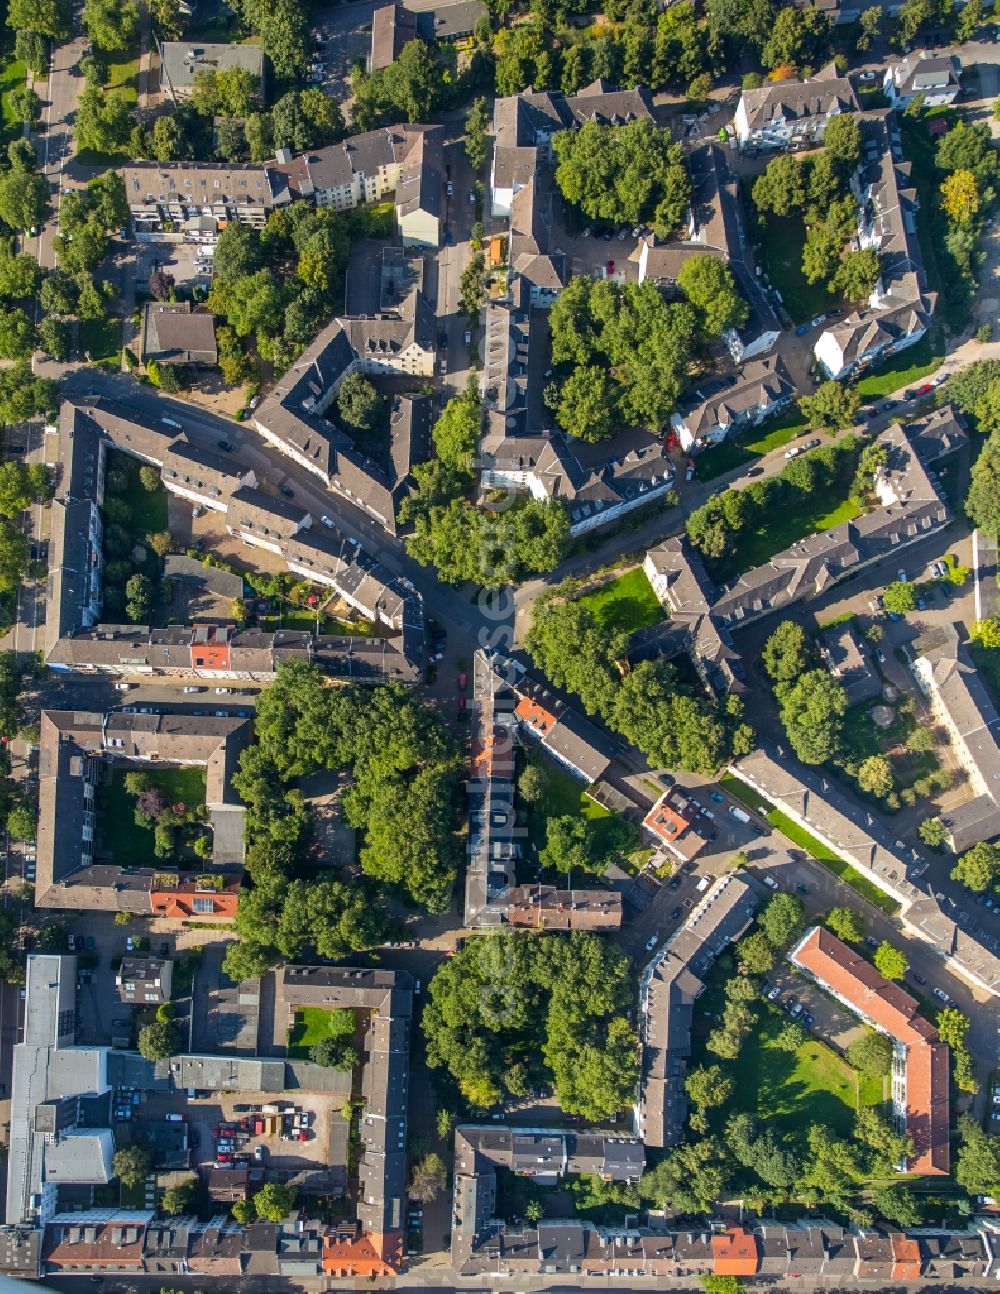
[[920, 1069], [959, 701], [670, 985], [792, 114], [933, 78], [900, 306]]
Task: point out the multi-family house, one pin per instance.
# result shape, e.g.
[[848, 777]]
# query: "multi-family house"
[[900, 307], [959, 701], [720, 406], [291, 418], [920, 1069], [932, 78], [792, 114], [181, 61], [669, 986]]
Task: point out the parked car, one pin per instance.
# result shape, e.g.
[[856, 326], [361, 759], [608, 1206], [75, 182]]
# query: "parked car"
[[651, 942], [675, 914], [287, 491], [941, 995], [771, 883]]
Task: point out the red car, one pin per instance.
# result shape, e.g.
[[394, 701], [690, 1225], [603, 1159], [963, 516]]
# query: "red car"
[[462, 680], [611, 268], [223, 1157], [461, 703], [303, 1136], [925, 389]]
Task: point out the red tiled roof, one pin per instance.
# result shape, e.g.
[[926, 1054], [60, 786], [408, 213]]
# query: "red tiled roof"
[[535, 715], [892, 1010], [735, 1253], [905, 1257]]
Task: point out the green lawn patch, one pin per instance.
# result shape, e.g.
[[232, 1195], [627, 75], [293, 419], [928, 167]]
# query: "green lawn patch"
[[314, 1023], [129, 844], [832, 862], [148, 507], [791, 1090], [745, 793], [909, 366], [627, 603], [780, 531], [12, 77], [782, 239], [101, 342], [772, 435]]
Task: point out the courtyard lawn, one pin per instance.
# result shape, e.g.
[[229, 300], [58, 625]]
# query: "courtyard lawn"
[[101, 340], [148, 508], [904, 369], [782, 239], [832, 862], [788, 1090], [314, 1023], [131, 845], [627, 603], [123, 83], [773, 435], [780, 531]]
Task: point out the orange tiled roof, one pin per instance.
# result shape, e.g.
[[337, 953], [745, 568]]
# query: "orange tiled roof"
[[665, 822], [353, 1256], [735, 1253], [891, 1009], [535, 715], [905, 1257]]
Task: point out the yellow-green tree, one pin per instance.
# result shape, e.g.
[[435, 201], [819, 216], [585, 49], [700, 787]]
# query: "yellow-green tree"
[[960, 196]]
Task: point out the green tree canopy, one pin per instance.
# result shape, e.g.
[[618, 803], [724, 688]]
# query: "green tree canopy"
[[812, 711], [846, 924], [626, 174], [889, 961], [832, 406], [787, 652], [555, 1005], [979, 868], [711, 288], [274, 1202], [132, 1165], [781, 920], [871, 1054]]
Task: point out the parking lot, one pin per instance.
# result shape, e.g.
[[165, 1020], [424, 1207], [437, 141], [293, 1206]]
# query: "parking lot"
[[186, 263], [301, 1140], [806, 1002]]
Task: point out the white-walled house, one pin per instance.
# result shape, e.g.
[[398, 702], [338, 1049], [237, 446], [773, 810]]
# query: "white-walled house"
[[792, 114], [932, 77]]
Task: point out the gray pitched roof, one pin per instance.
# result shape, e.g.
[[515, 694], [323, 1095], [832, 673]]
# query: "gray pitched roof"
[[822, 94]]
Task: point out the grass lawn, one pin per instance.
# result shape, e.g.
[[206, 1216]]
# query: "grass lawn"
[[101, 340], [149, 509], [12, 77], [745, 793], [313, 1024], [780, 531], [832, 862], [565, 797], [782, 239], [129, 844], [788, 1090], [907, 367], [627, 603]]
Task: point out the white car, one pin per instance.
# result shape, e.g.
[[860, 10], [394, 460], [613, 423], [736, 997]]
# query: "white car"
[[794, 452], [123, 687], [771, 883], [902, 576], [941, 994], [651, 942], [327, 522], [194, 689]]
